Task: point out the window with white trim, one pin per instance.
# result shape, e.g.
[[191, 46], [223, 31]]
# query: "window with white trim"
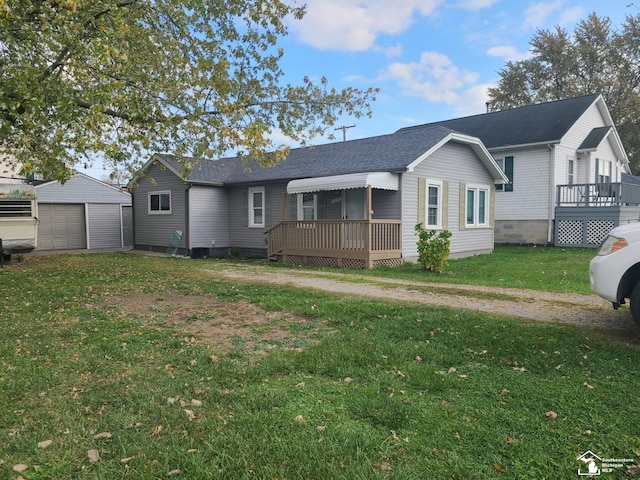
[[307, 206], [160, 203], [256, 207], [506, 165], [477, 207], [571, 164], [433, 204]]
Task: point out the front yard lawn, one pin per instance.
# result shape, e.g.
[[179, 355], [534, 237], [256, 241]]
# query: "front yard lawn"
[[123, 366]]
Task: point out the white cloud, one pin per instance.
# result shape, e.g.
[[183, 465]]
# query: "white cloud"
[[354, 25], [507, 53], [434, 78], [537, 15], [475, 4], [572, 16], [391, 52], [473, 101]]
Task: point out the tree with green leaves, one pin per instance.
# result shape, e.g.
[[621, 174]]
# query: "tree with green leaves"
[[597, 58], [118, 79]]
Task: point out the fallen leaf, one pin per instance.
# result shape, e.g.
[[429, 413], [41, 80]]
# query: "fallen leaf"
[[156, 430], [190, 415], [213, 358], [462, 376], [504, 391], [182, 403], [168, 367], [20, 467], [171, 400], [510, 440], [499, 468], [452, 370], [45, 443], [588, 386], [93, 455], [175, 472], [633, 469], [418, 360], [386, 467], [551, 414], [301, 385], [102, 435], [321, 428], [348, 380], [126, 460], [299, 419], [196, 403], [587, 432]]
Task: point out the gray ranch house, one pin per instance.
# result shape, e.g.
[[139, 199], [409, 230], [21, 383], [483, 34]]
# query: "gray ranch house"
[[352, 204], [565, 164]]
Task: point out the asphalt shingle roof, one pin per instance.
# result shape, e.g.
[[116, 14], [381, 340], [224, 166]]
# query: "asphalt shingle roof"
[[540, 123], [386, 153], [594, 138]]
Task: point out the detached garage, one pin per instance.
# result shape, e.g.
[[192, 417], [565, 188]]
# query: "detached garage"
[[83, 213]]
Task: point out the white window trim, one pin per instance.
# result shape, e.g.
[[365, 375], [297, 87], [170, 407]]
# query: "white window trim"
[[159, 212], [253, 190], [300, 210], [571, 170], [439, 185], [476, 207]]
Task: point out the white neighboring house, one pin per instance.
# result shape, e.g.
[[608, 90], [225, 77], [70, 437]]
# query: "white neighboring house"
[[83, 213], [565, 163], [9, 171]]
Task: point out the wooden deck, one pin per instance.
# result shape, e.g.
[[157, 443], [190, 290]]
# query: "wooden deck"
[[340, 243]]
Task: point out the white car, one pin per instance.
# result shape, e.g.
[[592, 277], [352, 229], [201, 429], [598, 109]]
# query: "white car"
[[614, 273]]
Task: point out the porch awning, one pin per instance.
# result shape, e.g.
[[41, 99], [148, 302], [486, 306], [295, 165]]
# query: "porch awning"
[[380, 180]]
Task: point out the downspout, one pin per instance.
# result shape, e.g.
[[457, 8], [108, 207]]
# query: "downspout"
[[552, 192], [187, 234]]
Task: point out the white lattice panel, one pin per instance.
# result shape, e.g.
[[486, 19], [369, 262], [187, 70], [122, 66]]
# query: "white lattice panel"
[[570, 232], [597, 230]]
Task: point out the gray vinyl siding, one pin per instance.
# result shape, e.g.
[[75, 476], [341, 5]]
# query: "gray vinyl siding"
[[158, 230], [386, 204], [81, 189], [104, 226], [455, 164], [240, 234], [209, 217]]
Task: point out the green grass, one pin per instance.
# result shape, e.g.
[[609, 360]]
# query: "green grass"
[[537, 268], [430, 392]]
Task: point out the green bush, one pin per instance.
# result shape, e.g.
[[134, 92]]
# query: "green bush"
[[433, 248]]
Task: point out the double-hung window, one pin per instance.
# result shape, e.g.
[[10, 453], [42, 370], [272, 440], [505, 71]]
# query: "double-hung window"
[[256, 207], [433, 204], [477, 206], [159, 203], [307, 206], [506, 164]]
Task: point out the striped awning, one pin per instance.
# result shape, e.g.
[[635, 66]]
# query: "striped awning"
[[380, 180]]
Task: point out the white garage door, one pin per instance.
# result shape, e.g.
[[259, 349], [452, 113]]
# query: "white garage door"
[[62, 226]]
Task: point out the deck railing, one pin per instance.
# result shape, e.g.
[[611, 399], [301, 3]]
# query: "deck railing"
[[366, 240], [597, 195]]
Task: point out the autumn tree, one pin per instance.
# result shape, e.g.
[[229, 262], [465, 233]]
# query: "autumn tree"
[[596, 58], [122, 78]]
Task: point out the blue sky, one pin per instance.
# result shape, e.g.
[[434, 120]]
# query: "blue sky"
[[432, 59]]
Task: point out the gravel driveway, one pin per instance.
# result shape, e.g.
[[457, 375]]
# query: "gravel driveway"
[[585, 310]]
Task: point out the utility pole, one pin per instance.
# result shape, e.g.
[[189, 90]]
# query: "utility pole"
[[344, 129]]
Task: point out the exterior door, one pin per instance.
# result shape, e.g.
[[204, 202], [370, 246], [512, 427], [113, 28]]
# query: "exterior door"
[[61, 227], [353, 204], [353, 209]]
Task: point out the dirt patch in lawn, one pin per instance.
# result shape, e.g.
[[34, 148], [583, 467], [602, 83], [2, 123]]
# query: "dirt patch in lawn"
[[221, 325]]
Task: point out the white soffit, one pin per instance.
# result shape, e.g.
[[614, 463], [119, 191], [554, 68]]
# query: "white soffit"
[[380, 180]]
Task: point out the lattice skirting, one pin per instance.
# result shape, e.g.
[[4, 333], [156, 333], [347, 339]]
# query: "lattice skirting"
[[349, 263], [583, 233]]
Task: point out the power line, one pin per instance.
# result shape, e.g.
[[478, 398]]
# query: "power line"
[[344, 129]]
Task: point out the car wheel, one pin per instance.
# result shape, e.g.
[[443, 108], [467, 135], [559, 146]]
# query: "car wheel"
[[634, 300]]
